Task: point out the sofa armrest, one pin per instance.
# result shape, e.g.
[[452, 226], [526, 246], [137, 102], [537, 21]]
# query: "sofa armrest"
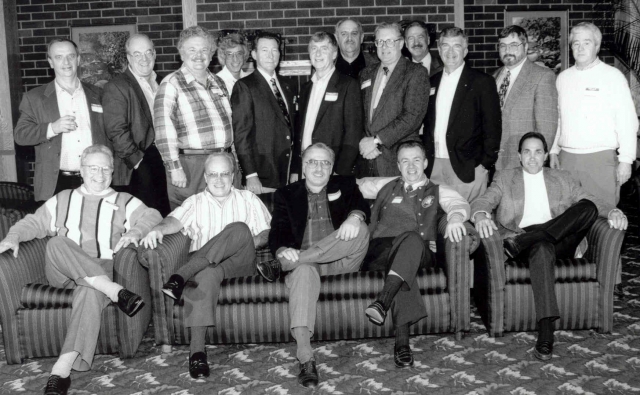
[[490, 285], [161, 263], [15, 273]]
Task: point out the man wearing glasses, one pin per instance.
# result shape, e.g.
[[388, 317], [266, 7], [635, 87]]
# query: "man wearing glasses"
[[225, 225], [89, 225], [528, 96], [232, 53], [318, 228], [395, 94], [128, 108], [191, 115]]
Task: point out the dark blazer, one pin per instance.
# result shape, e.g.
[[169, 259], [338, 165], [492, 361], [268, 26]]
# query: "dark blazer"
[[262, 137], [338, 124], [128, 122], [39, 108], [291, 207], [475, 124], [400, 110]]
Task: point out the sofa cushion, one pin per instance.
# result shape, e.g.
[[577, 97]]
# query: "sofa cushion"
[[567, 270], [43, 296]]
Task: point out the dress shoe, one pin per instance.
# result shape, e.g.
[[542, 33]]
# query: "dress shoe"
[[269, 270], [403, 356], [376, 313], [543, 350], [57, 385], [198, 366], [173, 288], [511, 247], [129, 302], [308, 376]]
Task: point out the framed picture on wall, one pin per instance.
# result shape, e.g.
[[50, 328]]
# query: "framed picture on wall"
[[548, 36], [102, 51]]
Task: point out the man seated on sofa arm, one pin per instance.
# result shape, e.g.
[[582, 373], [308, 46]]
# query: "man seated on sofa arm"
[[404, 225], [89, 225], [542, 214], [226, 226], [318, 229]]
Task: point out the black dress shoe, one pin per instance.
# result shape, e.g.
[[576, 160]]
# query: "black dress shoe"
[[308, 376], [376, 313], [511, 247], [403, 356], [198, 366], [57, 385], [269, 270], [543, 350], [173, 288], [129, 302]]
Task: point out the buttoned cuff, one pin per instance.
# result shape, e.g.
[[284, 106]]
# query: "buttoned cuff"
[[252, 175], [50, 133]]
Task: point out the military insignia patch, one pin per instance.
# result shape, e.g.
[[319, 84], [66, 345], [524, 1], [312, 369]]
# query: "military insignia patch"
[[428, 201]]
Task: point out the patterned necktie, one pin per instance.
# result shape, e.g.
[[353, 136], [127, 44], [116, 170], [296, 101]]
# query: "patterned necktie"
[[280, 100], [504, 87], [383, 83]]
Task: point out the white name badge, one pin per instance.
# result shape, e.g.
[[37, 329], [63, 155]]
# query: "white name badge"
[[110, 205], [331, 96], [365, 84], [397, 199], [432, 92], [334, 196], [96, 108]]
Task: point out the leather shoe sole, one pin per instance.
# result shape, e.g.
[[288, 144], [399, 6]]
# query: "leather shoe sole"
[[511, 248], [270, 271], [57, 385], [376, 314], [543, 350], [129, 302], [403, 357], [198, 366], [173, 288]]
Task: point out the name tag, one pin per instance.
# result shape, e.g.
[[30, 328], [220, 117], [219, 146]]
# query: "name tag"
[[334, 196], [110, 205], [593, 89], [432, 92], [365, 84], [397, 199], [96, 108], [331, 96]]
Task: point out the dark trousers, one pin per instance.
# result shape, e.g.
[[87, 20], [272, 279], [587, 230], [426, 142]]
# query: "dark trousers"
[[558, 239], [67, 182], [405, 254], [149, 182]]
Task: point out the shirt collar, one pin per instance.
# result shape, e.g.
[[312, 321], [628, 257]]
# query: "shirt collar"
[[212, 198], [455, 73], [326, 77], [189, 77], [85, 191], [267, 76], [422, 182], [391, 67], [153, 75], [591, 65], [533, 176], [426, 61], [310, 193], [60, 89]]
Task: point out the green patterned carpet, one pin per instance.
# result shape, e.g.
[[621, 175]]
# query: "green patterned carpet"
[[584, 362]]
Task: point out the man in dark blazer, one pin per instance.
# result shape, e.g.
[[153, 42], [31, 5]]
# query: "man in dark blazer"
[[318, 228], [352, 59], [395, 95], [128, 102], [64, 107], [528, 96], [463, 126], [416, 39], [262, 107], [330, 109], [542, 214]]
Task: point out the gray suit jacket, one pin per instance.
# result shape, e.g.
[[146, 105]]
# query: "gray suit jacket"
[[400, 111], [506, 196], [39, 108], [531, 106]]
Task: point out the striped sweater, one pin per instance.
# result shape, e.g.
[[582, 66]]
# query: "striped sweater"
[[95, 222]]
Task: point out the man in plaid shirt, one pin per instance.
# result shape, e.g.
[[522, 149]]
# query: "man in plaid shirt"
[[191, 116]]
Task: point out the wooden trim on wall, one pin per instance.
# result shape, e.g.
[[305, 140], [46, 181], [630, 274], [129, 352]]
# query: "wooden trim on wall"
[[10, 82], [189, 13], [458, 13]]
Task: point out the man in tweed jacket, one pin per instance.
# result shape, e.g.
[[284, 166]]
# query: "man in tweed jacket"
[[528, 97], [542, 214]]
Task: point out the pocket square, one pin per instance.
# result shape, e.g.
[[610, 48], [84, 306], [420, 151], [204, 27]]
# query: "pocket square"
[[365, 84]]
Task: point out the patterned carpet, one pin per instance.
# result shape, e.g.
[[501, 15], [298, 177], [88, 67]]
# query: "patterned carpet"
[[584, 362]]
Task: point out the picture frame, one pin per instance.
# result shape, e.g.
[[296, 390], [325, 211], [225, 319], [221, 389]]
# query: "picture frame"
[[102, 51], [548, 33]]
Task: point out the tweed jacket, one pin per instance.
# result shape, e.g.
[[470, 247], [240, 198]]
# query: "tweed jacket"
[[291, 207], [338, 124], [39, 108], [262, 137], [506, 196], [531, 106], [128, 123], [400, 111]]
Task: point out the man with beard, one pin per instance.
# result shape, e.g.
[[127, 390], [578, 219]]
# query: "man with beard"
[[528, 96], [416, 38], [351, 59]]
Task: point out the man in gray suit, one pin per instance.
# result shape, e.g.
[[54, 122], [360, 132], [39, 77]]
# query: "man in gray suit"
[[528, 96], [395, 93], [542, 214]]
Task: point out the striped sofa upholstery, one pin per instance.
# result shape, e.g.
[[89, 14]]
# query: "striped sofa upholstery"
[[251, 310], [34, 315], [584, 287], [16, 201]]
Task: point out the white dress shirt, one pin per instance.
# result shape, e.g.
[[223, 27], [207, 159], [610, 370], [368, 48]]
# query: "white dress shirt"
[[315, 100], [444, 101], [536, 200], [229, 79], [426, 62], [148, 88], [268, 78]]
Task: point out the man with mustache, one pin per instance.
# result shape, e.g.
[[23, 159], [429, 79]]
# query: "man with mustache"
[[416, 38], [191, 115], [351, 59], [528, 96]]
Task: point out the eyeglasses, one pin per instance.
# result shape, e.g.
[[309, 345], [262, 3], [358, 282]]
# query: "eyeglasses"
[[96, 169], [214, 175], [234, 55], [147, 54], [386, 43], [315, 163], [204, 51], [511, 47]]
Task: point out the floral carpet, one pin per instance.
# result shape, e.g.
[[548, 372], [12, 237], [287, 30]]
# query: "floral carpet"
[[584, 362]]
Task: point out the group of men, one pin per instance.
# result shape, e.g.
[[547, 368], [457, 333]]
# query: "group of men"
[[198, 148]]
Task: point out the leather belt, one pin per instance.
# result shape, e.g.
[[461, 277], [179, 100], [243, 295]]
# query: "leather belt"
[[68, 173], [189, 151]]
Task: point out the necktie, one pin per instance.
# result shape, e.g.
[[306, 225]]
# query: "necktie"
[[383, 83], [283, 107], [504, 87]]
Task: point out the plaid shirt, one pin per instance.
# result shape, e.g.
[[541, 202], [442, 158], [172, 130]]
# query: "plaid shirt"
[[187, 114], [319, 223]]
